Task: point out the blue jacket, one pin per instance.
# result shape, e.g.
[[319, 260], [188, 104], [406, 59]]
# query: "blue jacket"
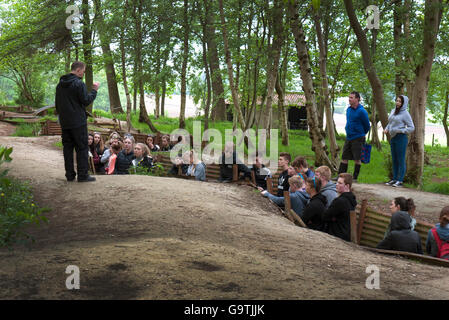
[[298, 200], [357, 123]]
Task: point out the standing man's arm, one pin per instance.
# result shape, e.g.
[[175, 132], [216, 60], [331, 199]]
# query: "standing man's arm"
[[85, 98], [365, 121]]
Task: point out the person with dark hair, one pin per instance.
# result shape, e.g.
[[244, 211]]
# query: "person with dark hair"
[[261, 173], [400, 124], [401, 237], [337, 217], [283, 163], [71, 101], [313, 212], [401, 204], [151, 145], [302, 168], [357, 126], [165, 143], [437, 242]]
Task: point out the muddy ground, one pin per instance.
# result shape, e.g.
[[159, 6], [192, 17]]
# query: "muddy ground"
[[141, 237]]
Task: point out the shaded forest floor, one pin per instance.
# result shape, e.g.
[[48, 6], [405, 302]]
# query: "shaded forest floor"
[[142, 237]]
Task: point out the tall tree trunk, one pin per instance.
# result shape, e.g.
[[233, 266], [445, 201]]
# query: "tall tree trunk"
[[370, 70], [125, 79], [218, 101], [282, 113], [114, 96], [182, 113], [209, 89], [235, 96], [334, 148], [399, 82], [68, 61], [87, 49], [318, 144], [415, 162], [274, 55], [445, 126], [158, 71], [143, 117]]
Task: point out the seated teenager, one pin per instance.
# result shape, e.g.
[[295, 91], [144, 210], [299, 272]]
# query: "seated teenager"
[[261, 173], [99, 149], [165, 143], [228, 159], [313, 212], [112, 159], [151, 145], [328, 187], [302, 168], [125, 157], [437, 243], [142, 156], [400, 204], [196, 168], [298, 198], [336, 218], [401, 237], [283, 164], [108, 152]]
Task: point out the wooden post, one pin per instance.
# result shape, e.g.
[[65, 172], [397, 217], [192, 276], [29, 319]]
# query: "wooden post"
[[297, 219], [270, 185], [353, 220], [253, 177], [362, 216], [179, 170], [288, 206], [235, 172]]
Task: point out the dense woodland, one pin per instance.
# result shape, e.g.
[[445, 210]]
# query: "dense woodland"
[[238, 50]]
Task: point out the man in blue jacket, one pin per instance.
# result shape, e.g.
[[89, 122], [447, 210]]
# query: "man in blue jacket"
[[71, 101], [357, 126]]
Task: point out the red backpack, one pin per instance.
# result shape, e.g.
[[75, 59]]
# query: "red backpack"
[[443, 246]]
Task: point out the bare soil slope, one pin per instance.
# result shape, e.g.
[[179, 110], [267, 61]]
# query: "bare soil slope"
[[140, 237]]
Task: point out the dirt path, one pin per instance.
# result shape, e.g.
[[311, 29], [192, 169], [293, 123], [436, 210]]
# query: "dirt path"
[[139, 237], [428, 205]]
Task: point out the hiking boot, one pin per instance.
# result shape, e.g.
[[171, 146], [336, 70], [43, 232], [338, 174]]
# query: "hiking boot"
[[397, 184], [87, 179], [390, 183]]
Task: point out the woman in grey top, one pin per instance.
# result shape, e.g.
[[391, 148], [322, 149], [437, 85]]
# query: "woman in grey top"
[[400, 124]]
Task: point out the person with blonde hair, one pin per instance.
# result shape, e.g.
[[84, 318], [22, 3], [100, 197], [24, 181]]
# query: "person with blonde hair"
[[328, 187], [437, 243], [142, 156], [196, 168], [298, 197]]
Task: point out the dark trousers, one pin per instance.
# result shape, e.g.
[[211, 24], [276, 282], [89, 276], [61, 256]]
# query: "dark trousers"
[[75, 139]]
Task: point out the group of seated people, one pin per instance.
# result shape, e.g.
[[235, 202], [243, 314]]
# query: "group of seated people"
[[321, 204]]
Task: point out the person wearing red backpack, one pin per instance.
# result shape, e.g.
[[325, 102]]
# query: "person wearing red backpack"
[[437, 243]]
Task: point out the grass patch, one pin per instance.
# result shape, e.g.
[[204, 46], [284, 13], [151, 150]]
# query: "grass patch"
[[17, 208], [27, 130]]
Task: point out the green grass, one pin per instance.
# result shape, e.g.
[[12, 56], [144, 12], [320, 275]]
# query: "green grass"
[[27, 130], [435, 176]]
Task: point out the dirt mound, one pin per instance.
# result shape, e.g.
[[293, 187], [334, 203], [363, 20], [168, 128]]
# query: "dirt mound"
[[140, 237]]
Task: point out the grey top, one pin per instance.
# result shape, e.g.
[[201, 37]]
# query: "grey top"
[[401, 122]]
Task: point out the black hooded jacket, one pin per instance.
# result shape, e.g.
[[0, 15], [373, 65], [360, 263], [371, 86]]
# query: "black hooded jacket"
[[71, 101], [313, 212], [336, 217], [401, 237]]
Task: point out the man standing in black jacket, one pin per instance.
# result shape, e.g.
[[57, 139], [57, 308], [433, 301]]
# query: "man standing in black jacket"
[[71, 102]]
